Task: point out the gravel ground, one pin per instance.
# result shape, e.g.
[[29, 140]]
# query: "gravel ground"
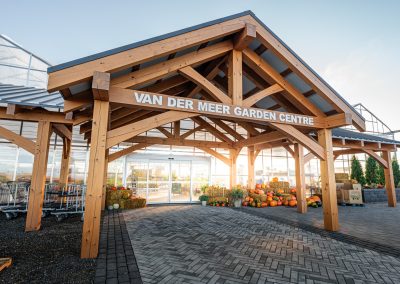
[[48, 256]]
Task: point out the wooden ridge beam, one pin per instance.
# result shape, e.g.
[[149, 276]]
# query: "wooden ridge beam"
[[18, 140], [159, 70], [250, 101], [205, 84], [123, 133], [257, 63], [302, 139], [126, 151], [245, 37]]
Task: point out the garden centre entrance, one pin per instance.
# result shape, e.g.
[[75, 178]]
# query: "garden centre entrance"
[[167, 179]]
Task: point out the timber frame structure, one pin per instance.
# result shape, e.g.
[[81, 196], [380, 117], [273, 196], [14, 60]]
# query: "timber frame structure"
[[231, 63]]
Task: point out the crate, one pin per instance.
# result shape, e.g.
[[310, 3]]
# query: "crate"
[[279, 185], [352, 196], [344, 185], [341, 176]]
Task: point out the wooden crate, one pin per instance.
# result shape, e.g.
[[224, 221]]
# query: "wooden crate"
[[352, 196]]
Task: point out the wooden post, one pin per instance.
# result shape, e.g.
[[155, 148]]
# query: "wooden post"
[[250, 164], [64, 170], [104, 194], [233, 174], [235, 84], [300, 178], [328, 184], [95, 180], [389, 180], [36, 192]]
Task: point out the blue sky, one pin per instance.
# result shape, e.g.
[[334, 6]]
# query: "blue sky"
[[353, 44]]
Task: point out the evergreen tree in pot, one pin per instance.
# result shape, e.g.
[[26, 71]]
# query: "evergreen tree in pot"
[[371, 171], [203, 198]]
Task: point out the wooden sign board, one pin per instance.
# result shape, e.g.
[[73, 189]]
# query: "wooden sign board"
[[128, 97]]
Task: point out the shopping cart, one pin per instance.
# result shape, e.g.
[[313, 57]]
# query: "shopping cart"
[[14, 198], [72, 202]]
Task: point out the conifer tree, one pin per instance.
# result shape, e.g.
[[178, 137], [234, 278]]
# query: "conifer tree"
[[371, 170], [357, 171], [396, 172], [381, 174]]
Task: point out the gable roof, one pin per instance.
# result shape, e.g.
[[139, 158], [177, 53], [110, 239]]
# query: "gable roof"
[[319, 86]]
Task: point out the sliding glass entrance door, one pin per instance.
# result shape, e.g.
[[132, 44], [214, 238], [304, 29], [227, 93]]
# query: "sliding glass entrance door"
[[167, 180]]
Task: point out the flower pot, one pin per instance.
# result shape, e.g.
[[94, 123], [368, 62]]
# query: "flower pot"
[[116, 206], [203, 203], [237, 203], [110, 207]]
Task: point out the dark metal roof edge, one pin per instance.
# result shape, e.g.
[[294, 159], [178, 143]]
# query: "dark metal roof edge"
[[32, 104], [360, 136], [144, 42]]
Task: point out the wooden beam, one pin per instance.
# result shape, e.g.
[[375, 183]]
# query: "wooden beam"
[[377, 158], [76, 103], [36, 191], [290, 150], [95, 181], [205, 84], [62, 130], [126, 151], [328, 184], [35, 115], [301, 138], [245, 37], [298, 155], [251, 182], [18, 140], [177, 129], [389, 179], [166, 84], [235, 80], [218, 134], [269, 40], [159, 70], [123, 133], [226, 128], [308, 157], [179, 142], [252, 100], [12, 109], [191, 131], [165, 132], [83, 72], [65, 157], [256, 62], [100, 85], [338, 153], [261, 138], [233, 153], [217, 155]]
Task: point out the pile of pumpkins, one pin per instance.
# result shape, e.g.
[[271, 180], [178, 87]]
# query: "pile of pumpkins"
[[260, 198], [314, 201]]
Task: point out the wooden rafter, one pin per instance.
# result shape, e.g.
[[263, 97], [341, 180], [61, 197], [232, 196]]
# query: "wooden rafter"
[[215, 154], [126, 151], [179, 142], [226, 128], [159, 70], [205, 84], [261, 138], [377, 158], [18, 140], [123, 133], [245, 37], [191, 131], [214, 131]]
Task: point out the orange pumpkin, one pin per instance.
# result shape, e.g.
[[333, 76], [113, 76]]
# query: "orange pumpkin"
[[286, 203], [293, 197], [247, 198], [292, 203], [280, 191], [293, 190], [245, 203], [251, 200], [316, 198], [269, 198], [275, 179], [264, 204], [258, 186], [279, 203], [273, 203]]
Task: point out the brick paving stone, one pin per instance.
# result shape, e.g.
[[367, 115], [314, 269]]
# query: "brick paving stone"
[[194, 244]]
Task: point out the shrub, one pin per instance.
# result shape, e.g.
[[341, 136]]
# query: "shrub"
[[236, 193], [204, 197], [396, 172], [371, 171]]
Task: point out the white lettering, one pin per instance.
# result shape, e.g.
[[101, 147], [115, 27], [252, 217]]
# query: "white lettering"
[[237, 111], [226, 109], [202, 106], [282, 117], [171, 102]]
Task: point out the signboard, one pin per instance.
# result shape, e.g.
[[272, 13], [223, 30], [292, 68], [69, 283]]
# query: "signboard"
[[159, 101]]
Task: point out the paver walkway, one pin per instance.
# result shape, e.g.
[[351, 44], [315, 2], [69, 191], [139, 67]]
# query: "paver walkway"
[[376, 223], [194, 244]]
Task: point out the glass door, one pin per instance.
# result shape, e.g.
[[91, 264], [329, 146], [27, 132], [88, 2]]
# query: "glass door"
[[159, 181], [180, 181]]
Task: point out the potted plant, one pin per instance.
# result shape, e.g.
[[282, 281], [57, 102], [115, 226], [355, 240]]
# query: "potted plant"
[[237, 196], [203, 198]]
